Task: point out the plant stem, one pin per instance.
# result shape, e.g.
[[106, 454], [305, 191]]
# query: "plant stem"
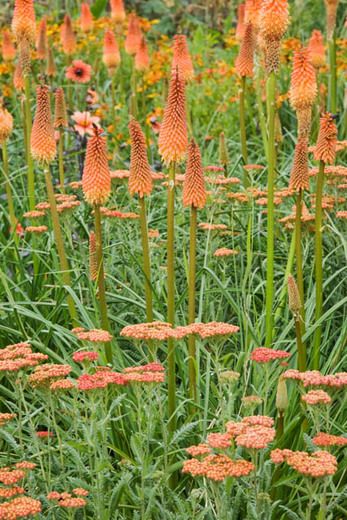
[[11, 212], [288, 270], [300, 345], [299, 260], [332, 75], [101, 280], [171, 296], [59, 242], [271, 91], [146, 260], [280, 425], [30, 163], [61, 160], [191, 305], [243, 130], [262, 120], [318, 265]]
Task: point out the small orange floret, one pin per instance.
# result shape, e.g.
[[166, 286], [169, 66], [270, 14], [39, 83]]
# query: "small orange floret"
[[42, 144], [244, 61], [327, 138], [140, 178], [299, 178], [303, 88], [96, 180], [194, 192], [181, 57]]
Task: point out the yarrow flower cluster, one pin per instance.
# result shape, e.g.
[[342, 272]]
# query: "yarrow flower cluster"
[[150, 373], [265, 355], [93, 335], [217, 467], [317, 464], [326, 439], [20, 507], [161, 331], [67, 500], [314, 397], [100, 379], [315, 378], [44, 375], [85, 355], [6, 417], [18, 356]]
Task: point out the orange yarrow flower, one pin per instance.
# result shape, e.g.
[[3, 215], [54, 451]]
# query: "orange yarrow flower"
[[111, 55], [299, 178], [194, 192], [181, 57], [173, 136], [60, 115], [23, 21], [316, 49], [326, 143], [96, 180], [244, 61], [140, 178], [134, 35], [86, 18], [303, 87], [42, 143]]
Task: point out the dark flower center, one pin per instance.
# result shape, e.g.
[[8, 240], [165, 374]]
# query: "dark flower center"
[[79, 72]]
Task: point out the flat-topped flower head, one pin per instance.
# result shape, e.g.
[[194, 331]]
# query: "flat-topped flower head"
[[96, 179], [140, 178], [326, 439], [42, 142], [244, 61], [79, 72], [316, 465], [23, 21], [181, 57], [316, 49], [194, 191], [134, 35], [173, 136], [60, 114], [303, 87], [314, 397], [142, 56], [111, 55], [117, 11], [6, 124], [8, 50], [299, 178], [67, 36], [326, 143], [86, 18], [265, 355]]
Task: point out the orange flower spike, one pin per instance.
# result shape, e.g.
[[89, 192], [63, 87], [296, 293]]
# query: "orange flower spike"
[[18, 78], [60, 115], [244, 61], [51, 68], [142, 56], [181, 57], [23, 21], [96, 180], [273, 23], [316, 49], [303, 86], [240, 27], [86, 18], [194, 191], [173, 136], [67, 36], [299, 179], [331, 9], [42, 143], [134, 35], [140, 178], [6, 124], [327, 138], [41, 43], [117, 11], [8, 49], [111, 55]]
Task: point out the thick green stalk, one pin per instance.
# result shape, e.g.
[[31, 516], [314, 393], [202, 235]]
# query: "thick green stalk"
[[318, 265], [271, 91], [171, 296], [299, 260], [61, 160], [11, 212], [113, 101], [59, 242], [191, 305], [243, 134], [289, 268], [300, 345], [30, 163], [332, 75], [262, 120], [101, 280], [146, 260]]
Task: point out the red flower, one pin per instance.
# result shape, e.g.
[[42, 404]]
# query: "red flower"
[[79, 72]]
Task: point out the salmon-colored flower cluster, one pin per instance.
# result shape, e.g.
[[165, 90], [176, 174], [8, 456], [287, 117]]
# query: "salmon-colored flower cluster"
[[217, 467], [253, 432], [199, 449], [150, 373], [100, 379], [326, 439], [11, 492], [224, 251], [317, 464], [162, 331], [315, 378], [93, 335], [10, 476], [61, 384], [6, 417], [45, 374], [82, 356], [18, 356], [67, 500], [314, 397], [265, 355], [20, 507], [206, 226]]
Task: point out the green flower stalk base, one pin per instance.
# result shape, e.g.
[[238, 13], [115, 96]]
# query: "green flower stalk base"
[[192, 366], [11, 212], [243, 134], [332, 75], [146, 260], [299, 260], [30, 163]]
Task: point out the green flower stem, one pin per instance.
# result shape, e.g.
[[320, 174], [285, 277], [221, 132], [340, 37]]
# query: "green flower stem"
[[59, 242], [299, 260], [289, 268], [332, 75], [243, 134], [101, 280], [171, 297], [318, 265], [262, 120], [192, 368], [299, 332], [113, 100], [11, 212], [146, 260], [280, 425], [30, 163], [61, 160], [271, 91]]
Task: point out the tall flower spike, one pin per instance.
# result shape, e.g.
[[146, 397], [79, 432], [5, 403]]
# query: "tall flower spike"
[[67, 36], [326, 143], [42, 143], [316, 49], [240, 27], [331, 8], [60, 115], [134, 35], [303, 86], [244, 61], [8, 50], [86, 18], [6, 124], [41, 44], [140, 178], [93, 266], [23, 21], [111, 55], [274, 20], [299, 179], [96, 180], [194, 192], [18, 78], [51, 68], [142, 56], [117, 11], [181, 57], [173, 137]]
